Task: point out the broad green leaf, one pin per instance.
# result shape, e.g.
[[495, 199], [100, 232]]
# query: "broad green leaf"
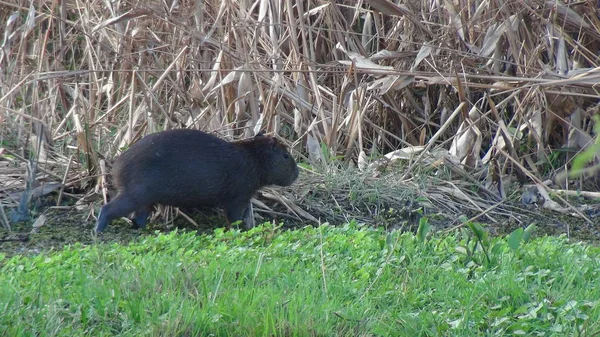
[[515, 238], [424, 228]]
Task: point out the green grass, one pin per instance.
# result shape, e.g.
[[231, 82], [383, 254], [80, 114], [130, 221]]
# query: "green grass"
[[325, 281]]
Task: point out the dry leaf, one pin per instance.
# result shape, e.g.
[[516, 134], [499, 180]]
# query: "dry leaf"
[[39, 222], [388, 83], [424, 51], [362, 161], [362, 62], [492, 36], [132, 14], [314, 149]]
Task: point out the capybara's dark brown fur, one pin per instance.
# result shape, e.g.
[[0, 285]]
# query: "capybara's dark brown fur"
[[190, 168]]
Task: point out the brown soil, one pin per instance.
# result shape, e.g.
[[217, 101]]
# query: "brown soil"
[[67, 226]]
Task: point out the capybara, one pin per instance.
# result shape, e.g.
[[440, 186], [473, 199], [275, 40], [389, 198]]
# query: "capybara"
[[190, 168]]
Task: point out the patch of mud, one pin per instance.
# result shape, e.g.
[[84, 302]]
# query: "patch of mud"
[[66, 226], [63, 227]]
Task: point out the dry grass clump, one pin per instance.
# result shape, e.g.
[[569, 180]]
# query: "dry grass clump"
[[500, 87]]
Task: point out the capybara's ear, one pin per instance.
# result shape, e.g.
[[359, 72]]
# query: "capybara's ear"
[[260, 135], [273, 142]]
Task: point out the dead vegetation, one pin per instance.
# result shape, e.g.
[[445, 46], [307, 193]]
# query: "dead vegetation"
[[476, 93]]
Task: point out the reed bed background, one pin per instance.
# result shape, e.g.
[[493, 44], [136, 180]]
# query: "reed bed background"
[[487, 90]]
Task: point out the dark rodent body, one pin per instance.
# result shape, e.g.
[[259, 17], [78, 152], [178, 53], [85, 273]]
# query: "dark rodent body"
[[190, 168]]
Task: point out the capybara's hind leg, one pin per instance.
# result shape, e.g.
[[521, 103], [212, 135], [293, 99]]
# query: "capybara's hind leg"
[[120, 206], [248, 217]]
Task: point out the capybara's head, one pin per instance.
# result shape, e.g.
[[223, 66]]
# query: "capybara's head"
[[278, 165]]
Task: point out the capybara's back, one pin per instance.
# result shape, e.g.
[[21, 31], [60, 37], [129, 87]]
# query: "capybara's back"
[[190, 168]]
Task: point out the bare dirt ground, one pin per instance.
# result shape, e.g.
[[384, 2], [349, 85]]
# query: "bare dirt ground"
[[67, 225]]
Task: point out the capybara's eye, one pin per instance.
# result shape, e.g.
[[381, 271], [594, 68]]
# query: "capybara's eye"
[[286, 156]]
